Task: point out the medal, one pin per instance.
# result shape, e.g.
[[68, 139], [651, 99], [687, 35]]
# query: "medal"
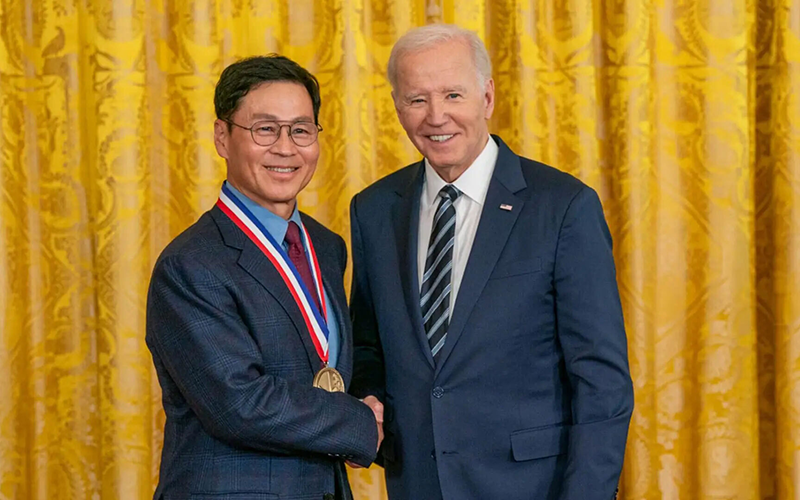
[[329, 379]]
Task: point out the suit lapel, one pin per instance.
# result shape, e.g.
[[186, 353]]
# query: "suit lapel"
[[261, 269], [405, 216], [493, 231]]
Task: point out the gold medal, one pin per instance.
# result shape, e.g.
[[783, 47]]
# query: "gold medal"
[[329, 379]]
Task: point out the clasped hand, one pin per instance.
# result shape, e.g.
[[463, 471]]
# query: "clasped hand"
[[377, 409]]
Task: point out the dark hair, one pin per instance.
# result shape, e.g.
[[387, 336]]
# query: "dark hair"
[[243, 76]]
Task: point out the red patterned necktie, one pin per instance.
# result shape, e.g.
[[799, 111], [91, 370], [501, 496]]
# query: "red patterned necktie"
[[297, 254]]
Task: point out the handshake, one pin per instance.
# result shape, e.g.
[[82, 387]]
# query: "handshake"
[[377, 409]]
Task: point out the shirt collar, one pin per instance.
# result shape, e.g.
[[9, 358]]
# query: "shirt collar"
[[274, 224], [474, 182]]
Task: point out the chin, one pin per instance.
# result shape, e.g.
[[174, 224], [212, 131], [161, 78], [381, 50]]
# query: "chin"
[[284, 198], [278, 196], [442, 161]]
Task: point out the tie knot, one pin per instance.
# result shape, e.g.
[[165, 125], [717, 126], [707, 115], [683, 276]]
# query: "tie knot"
[[292, 237], [450, 192]]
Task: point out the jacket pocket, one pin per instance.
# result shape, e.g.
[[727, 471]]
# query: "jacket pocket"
[[517, 268], [541, 442]]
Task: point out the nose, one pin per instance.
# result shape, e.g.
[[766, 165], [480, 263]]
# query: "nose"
[[284, 145], [437, 115]]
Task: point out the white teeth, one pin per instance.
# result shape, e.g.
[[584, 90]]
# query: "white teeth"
[[440, 138], [281, 169]]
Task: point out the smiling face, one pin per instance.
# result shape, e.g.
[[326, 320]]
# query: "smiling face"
[[442, 106], [271, 176]]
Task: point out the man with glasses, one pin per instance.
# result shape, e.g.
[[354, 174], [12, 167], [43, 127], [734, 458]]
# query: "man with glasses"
[[247, 315]]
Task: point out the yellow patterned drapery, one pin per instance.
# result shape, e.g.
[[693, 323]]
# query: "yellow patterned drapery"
[[683, 114]]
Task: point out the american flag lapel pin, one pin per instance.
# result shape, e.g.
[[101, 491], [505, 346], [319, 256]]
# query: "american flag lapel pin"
[[506, 207]]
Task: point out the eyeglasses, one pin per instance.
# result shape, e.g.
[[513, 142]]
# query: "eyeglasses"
[[267, 133]]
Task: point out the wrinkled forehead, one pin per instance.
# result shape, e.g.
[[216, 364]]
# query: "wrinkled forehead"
[[438, 67]]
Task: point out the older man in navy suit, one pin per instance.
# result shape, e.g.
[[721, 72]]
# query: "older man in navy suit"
[[485, 306], [247, 316]]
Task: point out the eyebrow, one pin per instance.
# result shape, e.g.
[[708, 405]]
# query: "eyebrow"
[[267, 116], [443, 90]]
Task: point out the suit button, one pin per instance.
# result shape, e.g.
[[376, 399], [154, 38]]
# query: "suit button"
[[433, 454], [438, 392]]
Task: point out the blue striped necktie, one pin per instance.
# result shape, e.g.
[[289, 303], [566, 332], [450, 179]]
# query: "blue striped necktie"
[[437, 279]]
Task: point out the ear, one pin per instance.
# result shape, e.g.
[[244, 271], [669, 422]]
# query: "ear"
[[394, 100], [221, 138], [488, 97]]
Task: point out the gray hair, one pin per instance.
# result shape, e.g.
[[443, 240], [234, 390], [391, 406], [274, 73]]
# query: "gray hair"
[[433, 34]]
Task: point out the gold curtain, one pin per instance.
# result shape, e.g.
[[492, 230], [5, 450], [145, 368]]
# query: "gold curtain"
[[683, 114]]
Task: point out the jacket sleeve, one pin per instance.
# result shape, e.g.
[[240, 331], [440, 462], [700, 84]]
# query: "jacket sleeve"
[[198, 337], [368, 364], [592, 335]]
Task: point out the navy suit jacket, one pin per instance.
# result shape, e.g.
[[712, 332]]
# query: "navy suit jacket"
[[236, 365], [532, 395]]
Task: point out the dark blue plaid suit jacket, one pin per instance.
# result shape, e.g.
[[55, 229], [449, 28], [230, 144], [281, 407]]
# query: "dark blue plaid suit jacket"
[[236, 365]]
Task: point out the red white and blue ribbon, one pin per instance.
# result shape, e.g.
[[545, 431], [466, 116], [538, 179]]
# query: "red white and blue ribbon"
[[250, 226]]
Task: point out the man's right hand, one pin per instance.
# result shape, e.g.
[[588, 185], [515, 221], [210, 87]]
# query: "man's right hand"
[[377, 409]]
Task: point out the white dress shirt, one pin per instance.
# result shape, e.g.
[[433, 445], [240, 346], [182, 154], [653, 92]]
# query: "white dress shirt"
[[473, 184]]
